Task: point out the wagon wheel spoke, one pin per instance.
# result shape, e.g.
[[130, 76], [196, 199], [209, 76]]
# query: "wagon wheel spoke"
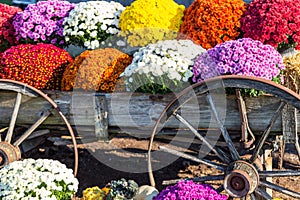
[[266, 132], [10, 145], [278, 173], [196, 179], [44, 116], [221, 154], [13, 118], [297, 146], [235, 155], [248, 167], [220, 189], [253, 197], [280, 189], [2, 130], [263, 194], [199, 160]]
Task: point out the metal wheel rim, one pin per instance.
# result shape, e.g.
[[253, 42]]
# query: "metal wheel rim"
[[273, 88], [24, 89]]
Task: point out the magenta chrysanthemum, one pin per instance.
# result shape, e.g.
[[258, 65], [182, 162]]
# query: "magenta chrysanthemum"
[[185, 190]]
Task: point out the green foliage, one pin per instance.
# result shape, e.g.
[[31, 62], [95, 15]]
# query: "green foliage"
[[65, 193], [122, 189]]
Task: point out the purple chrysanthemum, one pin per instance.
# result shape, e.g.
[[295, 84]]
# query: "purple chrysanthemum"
[[244, 56], [186, 190], [42, 22]]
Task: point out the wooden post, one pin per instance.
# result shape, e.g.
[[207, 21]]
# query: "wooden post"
[[289, 130], [268, 162], [101, 118], [89, 114]]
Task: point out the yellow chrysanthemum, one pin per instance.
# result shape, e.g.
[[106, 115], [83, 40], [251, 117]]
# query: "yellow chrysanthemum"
[[143, 22], [93, 193]]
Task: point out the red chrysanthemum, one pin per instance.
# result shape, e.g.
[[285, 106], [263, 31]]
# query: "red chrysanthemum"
[[273, 22], [40, 65], [7, 37]]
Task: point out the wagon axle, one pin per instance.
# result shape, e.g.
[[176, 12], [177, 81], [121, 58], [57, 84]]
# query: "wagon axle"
[[243, 171], [21, 96], [241, 179], [8, 153]]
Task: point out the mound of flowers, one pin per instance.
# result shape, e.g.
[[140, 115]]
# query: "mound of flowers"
[[148, 21], [7, 37], [273, 22], [241, 57], [39, 65], [210, 22], [189, 190], [42, 22], [162, 67], [96, 70], [37, 179], [244, 56], [90, 23]]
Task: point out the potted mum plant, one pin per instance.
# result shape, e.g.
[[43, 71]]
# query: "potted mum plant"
[[246, 57], [189, 190], [37, 179], [7, 37], [39, 65], [42, 22], [162, 67], [142, 22], [210, 22], [276, 23], [92, 22], [95, 70]]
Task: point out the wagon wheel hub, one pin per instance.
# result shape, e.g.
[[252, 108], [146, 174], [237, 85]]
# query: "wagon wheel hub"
[[8, 153], [241, 179]]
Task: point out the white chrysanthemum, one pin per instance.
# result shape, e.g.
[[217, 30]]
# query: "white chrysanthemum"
[[20, 179], [92, 20], [165, 62]]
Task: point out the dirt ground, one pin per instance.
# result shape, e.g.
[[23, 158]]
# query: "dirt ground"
[[125, 157]]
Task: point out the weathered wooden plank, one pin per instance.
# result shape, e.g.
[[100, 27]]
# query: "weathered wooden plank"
[[134, 112], [16, 88]]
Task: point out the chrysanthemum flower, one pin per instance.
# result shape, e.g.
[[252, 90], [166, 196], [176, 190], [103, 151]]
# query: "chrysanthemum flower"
[[211, 22], [96, 70], [273, 22], [40, 65]]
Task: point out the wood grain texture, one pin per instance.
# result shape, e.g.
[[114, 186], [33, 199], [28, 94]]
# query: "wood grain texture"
[[135, 112]]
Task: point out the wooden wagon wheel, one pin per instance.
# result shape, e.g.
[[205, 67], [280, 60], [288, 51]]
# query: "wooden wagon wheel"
[[242, 173], [10, 142]]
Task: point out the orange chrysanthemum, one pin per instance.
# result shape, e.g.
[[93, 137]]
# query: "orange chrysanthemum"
[[96, 70], [211, 22]]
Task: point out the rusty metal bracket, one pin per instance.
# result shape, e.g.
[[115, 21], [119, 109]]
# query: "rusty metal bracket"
[[245, 141]]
